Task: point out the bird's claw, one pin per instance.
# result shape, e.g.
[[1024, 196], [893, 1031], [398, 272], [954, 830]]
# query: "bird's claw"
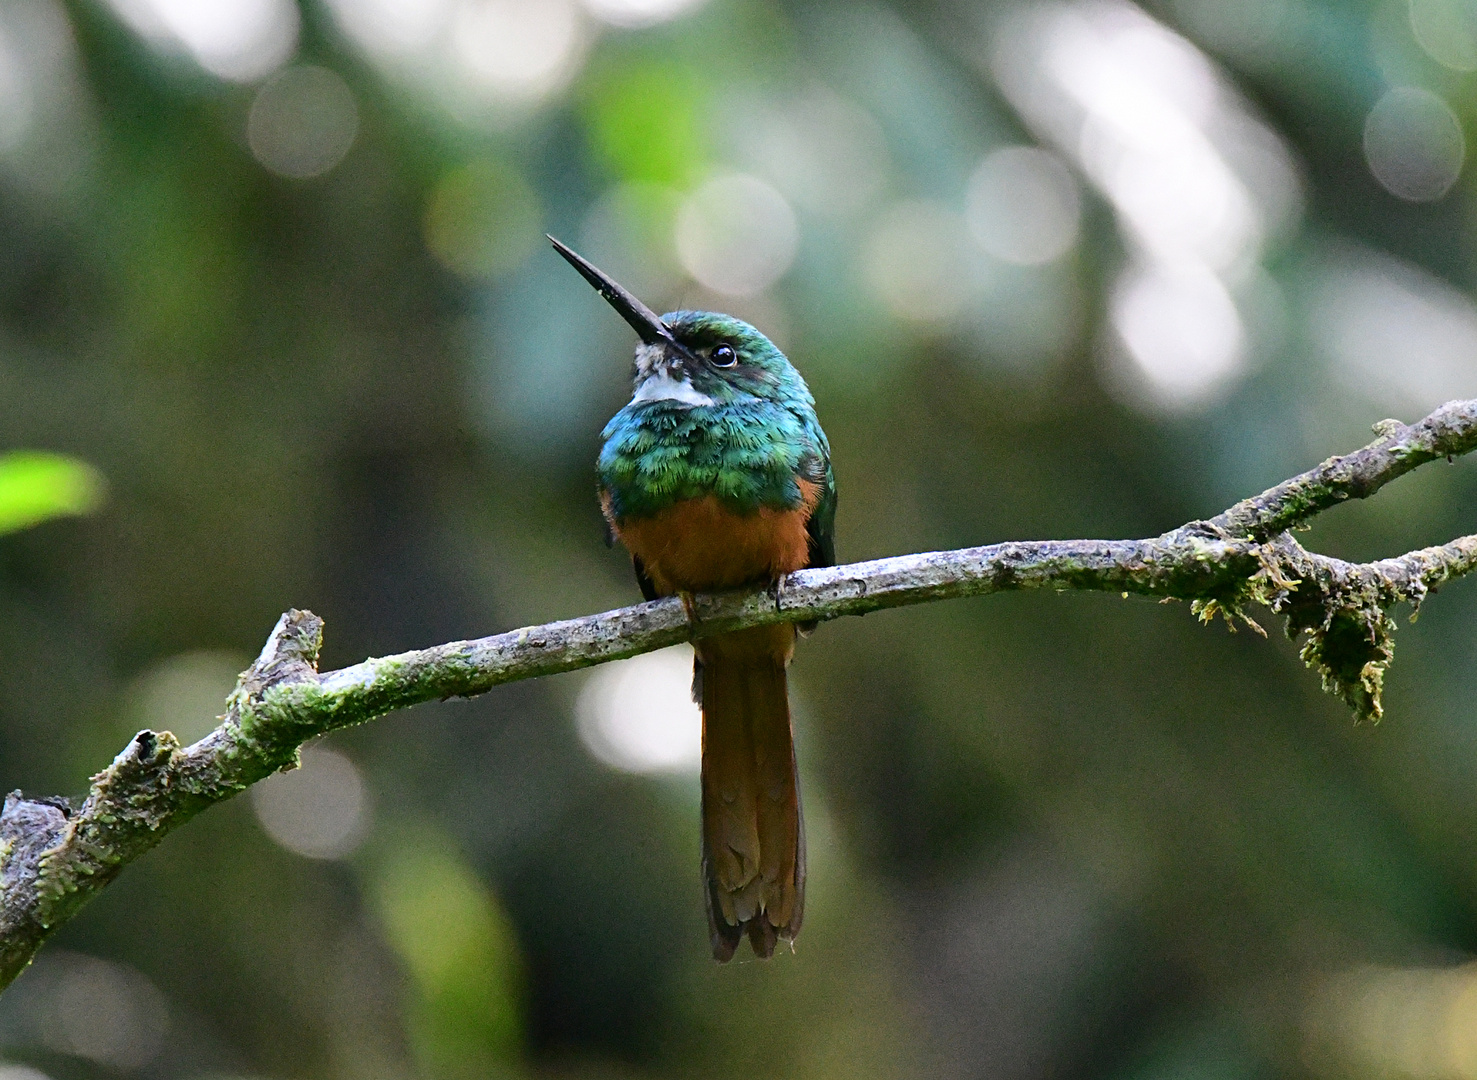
[[689, 606], [778, 591]]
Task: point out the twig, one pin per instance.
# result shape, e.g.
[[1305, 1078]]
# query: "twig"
[[1450, 431], [54, 858]]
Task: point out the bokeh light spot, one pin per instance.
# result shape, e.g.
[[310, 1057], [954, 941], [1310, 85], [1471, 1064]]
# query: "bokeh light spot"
[[1023, 206], [302, 122], [916, 264], [239, 40], [736, 235], [1396, 332], [1414, 144], [518, 49], [184, 694], [1182, 332], [1199, 183], [48, 136], [392, 27], [482, 219], [86, 1007], [638, 715], [823, 151], [21, 1072], [1447, 30], [319, 810], [17, 104], [633, 13], [1393, 1022]]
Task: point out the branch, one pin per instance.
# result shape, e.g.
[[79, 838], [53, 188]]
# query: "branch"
[[1449, 432], [54, 857]]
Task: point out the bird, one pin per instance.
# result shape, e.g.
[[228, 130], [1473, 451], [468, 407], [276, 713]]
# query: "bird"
[[716, 475]]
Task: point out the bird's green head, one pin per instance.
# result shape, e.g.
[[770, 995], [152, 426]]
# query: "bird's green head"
[[693, 358]]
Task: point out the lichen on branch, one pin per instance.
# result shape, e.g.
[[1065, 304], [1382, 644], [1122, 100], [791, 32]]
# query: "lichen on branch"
[[54, 857]]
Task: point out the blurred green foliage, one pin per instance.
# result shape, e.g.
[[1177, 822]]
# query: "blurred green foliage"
[[459, 949], [35, 487], [647, 120]]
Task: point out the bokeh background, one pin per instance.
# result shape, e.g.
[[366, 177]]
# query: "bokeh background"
[[275, 273]]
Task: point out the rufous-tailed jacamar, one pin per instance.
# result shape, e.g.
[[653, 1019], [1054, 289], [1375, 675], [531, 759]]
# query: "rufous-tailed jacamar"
[[717, 474]]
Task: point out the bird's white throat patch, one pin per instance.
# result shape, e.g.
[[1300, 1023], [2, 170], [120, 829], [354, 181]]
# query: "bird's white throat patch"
[[656, 383], [660, 386]]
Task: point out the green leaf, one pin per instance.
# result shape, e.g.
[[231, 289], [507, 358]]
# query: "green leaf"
[[36, 486]]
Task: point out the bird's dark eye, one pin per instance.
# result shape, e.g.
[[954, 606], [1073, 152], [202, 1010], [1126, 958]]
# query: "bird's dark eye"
[[724, 356]]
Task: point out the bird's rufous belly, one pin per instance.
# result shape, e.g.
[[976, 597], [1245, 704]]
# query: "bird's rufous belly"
[[699, 545]]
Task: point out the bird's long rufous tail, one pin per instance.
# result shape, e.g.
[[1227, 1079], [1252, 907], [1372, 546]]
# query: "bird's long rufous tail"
[[753, 834]]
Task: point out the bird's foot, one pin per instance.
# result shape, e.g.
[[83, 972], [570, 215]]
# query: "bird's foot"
[[689, 605]]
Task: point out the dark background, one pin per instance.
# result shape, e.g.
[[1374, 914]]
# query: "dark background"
[[278, 275]]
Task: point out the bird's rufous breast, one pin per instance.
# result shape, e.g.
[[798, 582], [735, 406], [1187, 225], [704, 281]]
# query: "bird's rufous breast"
[[700, 545]]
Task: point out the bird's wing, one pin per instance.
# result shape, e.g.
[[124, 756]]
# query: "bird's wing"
[[648, 589], [821, 528]]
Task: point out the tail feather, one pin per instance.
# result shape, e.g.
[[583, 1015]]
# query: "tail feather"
[[753, 834]]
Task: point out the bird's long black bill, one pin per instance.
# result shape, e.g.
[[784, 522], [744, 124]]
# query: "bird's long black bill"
[[647, 324]]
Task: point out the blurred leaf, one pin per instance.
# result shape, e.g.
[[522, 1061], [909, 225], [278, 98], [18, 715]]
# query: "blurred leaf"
[[645, 120], [458, 947], [36, 486]]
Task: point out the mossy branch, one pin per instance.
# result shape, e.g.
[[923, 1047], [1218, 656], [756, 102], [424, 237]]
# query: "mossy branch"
[[54, 857]]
